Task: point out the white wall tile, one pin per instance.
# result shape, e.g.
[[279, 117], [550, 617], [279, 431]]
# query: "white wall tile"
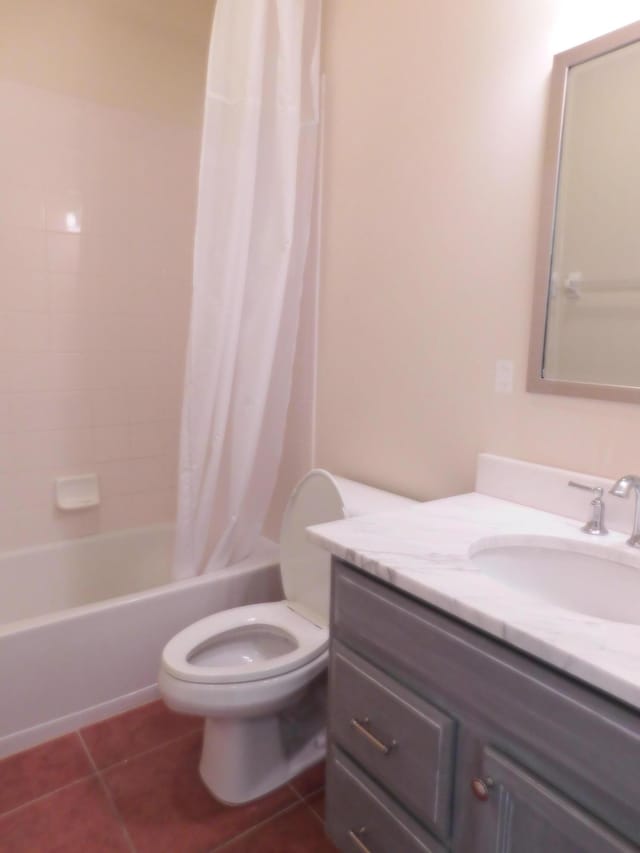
[[47, 410], [24, 290], [112, 442], [21, 206], [63, 253], [93, 309], [24, 331]]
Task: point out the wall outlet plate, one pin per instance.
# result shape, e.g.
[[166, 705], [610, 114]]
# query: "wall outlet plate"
[[504, 376]]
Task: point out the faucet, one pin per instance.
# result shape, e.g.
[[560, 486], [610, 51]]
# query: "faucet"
[[622, 489]]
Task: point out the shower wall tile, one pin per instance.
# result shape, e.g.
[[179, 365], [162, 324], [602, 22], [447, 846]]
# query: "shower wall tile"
[[68, 294], [112, 442], [5, 414], [109, 406], [27, 491], [24, 290], [6, 449], [64, 211], [153, 439], [51, 449], [150, 405], [97, 219], [47, 410], [63, 253], [131, 476], [140, 509], [24, 331], [30, 528], [21, 207], [21, 250]]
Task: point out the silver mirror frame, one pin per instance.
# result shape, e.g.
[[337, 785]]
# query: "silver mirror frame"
[[562, 63]]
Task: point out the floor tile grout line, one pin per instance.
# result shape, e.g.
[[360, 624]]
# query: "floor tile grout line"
[[147, 751], [295, 791], [48, 794], [301, 801], [83, 778], [116, 813], [259, 825], [315, 813], [313, 793], [109, 796], [86, 750]]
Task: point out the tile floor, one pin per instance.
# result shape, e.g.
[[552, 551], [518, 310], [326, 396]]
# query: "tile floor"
[[130, 784]]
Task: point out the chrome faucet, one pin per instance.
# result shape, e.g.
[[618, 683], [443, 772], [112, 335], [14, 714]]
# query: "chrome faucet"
[[622, 489]]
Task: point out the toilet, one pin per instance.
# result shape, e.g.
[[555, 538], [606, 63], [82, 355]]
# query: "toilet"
[[257, 673]]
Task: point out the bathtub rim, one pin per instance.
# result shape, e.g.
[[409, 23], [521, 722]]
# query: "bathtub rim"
[[265, 554]]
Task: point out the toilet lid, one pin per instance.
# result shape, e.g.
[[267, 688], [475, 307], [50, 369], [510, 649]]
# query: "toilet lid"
[[305, 567], [244, 644]]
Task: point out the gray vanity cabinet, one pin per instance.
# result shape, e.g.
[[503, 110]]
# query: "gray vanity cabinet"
[[443, 739]]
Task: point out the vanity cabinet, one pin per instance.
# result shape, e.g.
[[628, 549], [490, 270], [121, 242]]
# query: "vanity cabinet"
[[441, 738]]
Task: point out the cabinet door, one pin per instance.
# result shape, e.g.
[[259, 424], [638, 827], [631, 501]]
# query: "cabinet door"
[[527, 816]]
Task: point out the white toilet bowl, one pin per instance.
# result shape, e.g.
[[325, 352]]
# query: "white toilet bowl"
[[257, 673], [243, 662]]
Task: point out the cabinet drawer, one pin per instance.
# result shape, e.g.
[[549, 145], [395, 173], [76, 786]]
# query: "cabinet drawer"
[[361, 818], [400, 739]]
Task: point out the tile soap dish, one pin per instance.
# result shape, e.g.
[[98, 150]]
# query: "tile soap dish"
[[77, 492]]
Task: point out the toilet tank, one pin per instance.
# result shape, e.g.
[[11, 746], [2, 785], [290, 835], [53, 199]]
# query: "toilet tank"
[[306, 569]]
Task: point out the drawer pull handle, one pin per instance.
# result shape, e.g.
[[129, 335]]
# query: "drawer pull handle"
[[362, 727], [357, 840], [482, 788]]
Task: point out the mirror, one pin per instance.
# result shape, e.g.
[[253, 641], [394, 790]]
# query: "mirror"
[[585, 338]]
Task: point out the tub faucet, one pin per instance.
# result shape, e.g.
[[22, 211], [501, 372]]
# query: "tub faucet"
[[622, 489]]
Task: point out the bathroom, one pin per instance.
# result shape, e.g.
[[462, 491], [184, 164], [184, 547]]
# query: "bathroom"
[[411, 359]]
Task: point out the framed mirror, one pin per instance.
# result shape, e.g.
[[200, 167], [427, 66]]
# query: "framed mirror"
[[585, 334]]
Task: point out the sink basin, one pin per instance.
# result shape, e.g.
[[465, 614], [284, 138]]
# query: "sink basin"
[[588, 579]]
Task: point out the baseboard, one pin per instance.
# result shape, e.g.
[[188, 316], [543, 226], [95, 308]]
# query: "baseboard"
[[26, 738]]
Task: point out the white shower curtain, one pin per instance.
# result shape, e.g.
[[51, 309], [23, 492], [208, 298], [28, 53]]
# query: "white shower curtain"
[[255, 203]]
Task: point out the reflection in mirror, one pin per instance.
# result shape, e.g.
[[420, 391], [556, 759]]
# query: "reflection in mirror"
[[586, 338], [594, 303]]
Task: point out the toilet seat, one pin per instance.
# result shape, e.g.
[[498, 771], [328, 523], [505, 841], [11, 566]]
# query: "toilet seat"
[[292, 642]]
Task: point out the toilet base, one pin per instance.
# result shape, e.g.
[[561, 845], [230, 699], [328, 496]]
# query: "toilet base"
[[243, 759]]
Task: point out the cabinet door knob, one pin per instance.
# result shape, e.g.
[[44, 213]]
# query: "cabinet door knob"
[[482, 788]]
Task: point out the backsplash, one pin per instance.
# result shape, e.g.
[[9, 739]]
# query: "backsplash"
[[546, 488]]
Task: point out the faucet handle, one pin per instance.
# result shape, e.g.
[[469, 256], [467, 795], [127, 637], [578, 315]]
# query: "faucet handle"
[[598, 491], [595, 526]]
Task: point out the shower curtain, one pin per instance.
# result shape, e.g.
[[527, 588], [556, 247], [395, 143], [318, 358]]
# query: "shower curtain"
[[255, 202]]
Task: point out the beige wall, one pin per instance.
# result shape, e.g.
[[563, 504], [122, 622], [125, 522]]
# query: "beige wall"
[[143, 55], [435, 125]]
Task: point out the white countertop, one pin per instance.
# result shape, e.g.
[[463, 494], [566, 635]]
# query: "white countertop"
[[424, 550]]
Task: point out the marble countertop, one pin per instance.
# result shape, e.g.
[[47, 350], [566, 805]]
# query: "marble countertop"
[[424, 550]]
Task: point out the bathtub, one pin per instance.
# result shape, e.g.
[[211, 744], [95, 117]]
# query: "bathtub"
[[83, 623]]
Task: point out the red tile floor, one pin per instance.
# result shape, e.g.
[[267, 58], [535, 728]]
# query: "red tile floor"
[[130, 784]]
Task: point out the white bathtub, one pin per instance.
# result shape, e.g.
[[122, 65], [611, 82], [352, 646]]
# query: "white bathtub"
[[83, 623]]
